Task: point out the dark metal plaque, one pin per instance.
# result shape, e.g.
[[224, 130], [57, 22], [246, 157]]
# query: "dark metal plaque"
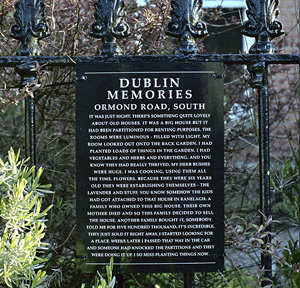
[[150, 168]]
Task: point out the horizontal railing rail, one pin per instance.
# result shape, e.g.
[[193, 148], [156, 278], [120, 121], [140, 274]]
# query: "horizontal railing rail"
[[242, 59]]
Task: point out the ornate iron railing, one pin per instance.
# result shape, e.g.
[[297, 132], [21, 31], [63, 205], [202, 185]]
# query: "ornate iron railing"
[[186, 25]]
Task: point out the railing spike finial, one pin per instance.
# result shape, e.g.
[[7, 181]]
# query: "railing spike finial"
[[187, 25], [110, 24], [30, 26], [263, 24]]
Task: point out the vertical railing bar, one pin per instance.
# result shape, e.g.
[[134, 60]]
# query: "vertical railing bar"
[[120, 280], [263, 24], [30, 27], [109, 26], [30, 130], [264, 155], [188, 279], [259, 79], [185, 280], [186, 30]]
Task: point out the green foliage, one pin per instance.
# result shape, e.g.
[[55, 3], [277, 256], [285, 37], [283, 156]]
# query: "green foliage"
[[22, 223], [291, 271], [286, 181], [110, 278], [158, 280]]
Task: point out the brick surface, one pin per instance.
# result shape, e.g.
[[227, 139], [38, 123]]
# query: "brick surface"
[[289, 17]]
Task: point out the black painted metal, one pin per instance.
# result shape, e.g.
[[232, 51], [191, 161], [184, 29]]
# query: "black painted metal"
[[264, 155], [263, 24], [189, 281], [186, 25], [110, 25], [26, 69], [120, 281], [30, 27], [259, 79], [30, 130], [240, 59]]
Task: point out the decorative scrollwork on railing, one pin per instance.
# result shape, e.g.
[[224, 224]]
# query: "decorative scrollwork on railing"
[[30, 26], [110, 24], [262, 24], [186, 24], [256, 71]]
